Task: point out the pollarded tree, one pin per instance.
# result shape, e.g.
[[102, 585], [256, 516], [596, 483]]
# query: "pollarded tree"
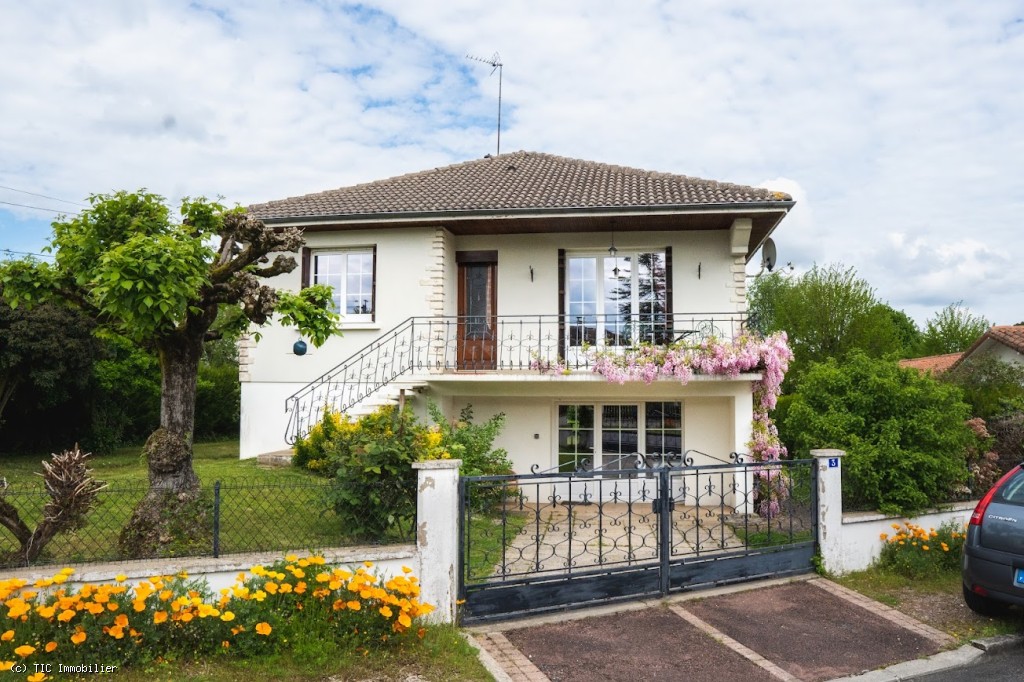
[[171, 286]]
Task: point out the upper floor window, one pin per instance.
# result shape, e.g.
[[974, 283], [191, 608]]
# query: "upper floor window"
[[616, 300], [351, 274]]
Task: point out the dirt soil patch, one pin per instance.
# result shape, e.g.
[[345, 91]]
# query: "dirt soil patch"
[[652, 645], [810, 633]]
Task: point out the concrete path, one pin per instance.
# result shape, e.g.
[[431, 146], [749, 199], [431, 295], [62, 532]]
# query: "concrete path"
[[562, 537]]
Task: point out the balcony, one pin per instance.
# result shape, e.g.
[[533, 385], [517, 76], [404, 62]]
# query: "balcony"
[[421, 347]]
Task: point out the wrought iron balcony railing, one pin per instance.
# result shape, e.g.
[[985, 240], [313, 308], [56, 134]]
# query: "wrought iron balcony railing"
[[504, 343]]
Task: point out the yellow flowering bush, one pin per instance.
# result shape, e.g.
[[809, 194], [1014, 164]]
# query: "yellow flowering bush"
[[916, 552], [299, 601]]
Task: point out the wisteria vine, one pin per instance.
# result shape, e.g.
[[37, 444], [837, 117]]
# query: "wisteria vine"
[[770, 356]]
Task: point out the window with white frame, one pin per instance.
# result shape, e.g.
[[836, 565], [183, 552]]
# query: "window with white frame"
[[606, 435], [350, 273], [618, 300]]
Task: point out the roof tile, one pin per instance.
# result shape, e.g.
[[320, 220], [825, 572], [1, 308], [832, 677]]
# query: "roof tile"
[[936, 364], [516, 181]]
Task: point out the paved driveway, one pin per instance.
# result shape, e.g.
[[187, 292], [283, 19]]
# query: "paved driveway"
[[806, 629]]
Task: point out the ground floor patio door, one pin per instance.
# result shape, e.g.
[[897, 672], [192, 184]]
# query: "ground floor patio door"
[[477, 323]]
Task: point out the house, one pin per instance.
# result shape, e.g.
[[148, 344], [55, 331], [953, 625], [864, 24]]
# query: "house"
[[463, 284], [1004, 342]]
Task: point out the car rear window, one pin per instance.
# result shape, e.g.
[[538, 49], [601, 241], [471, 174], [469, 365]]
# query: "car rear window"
[[1013, 490]]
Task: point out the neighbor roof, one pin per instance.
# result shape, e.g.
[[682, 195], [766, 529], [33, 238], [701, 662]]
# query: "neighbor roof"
[[518, 181], [936, 364], [1011, 336]]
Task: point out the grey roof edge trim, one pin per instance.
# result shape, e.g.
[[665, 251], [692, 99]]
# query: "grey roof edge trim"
[[499, 214]]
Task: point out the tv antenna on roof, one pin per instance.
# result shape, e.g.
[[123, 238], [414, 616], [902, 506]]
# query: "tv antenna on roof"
[[495, 63]]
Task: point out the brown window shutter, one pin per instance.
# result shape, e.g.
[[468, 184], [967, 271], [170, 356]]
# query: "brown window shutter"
[[668, 288], [306, 258], [561, 304]]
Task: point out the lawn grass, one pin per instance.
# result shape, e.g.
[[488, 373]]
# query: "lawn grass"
[[935, 600], [260, 508], [489, 535], [212, 460], [444, 654]]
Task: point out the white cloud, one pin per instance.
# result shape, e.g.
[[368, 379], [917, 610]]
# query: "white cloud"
[[890, 117]]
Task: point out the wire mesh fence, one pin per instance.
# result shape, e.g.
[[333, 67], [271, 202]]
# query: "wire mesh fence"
[[240, 515]]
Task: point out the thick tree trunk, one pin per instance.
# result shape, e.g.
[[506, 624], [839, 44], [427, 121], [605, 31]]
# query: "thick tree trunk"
[[172, 519], [169, 450]]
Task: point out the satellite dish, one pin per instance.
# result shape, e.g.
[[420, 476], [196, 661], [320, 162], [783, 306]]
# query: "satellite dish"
[[768, 255]]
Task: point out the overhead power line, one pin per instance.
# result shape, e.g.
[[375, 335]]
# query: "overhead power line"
[[36, 208], [43, 196], [9, 252]]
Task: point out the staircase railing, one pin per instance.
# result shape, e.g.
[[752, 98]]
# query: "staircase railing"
[[507, 343]]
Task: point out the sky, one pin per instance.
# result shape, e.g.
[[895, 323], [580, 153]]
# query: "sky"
[[897, 126]]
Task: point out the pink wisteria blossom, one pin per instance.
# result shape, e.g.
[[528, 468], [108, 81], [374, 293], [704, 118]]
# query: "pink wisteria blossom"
[[770, 356], [747, 353]]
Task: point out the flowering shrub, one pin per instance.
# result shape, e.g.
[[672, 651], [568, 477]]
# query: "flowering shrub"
[[770, 356], [915, 552], [982, 462], [292, 603]]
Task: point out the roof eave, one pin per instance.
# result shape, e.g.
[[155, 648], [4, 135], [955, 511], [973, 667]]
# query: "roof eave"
[[782, 207]]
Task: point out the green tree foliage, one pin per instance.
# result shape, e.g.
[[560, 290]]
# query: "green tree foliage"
[[904, 434], [126, 407], [45, 356], [991, 386], [169, 286], [829, 312], [952, 330]]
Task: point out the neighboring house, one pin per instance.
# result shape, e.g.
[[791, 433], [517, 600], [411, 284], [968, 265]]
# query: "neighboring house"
[[457, 283], [1004, 342]]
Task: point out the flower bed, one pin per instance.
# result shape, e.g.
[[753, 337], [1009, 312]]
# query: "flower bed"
[[299, 602]]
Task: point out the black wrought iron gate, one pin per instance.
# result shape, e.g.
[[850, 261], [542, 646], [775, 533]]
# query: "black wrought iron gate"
[[537, 542]]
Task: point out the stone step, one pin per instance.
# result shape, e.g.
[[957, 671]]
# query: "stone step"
[[280, 458]]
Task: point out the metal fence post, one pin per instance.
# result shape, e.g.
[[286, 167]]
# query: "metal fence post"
[[216, 519], [665, 504]]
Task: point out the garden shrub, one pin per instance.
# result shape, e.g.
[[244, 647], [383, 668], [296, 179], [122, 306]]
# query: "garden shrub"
[[1008, 432], [218, 401], [472, 443], [298, 604], [315, 450], [914, 552], [905, 435], [374, 489]]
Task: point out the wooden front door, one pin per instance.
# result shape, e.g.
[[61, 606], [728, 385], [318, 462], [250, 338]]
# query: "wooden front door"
[[478, 320]]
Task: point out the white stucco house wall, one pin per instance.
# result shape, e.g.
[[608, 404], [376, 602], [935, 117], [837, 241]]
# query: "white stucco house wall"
[[456, 282], [1003, 342]]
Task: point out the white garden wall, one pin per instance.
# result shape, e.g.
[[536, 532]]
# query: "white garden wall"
[[862, 531], [852, 541]]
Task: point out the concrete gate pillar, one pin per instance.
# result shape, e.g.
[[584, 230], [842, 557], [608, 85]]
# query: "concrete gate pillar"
[[830, 508], [437, 534]]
